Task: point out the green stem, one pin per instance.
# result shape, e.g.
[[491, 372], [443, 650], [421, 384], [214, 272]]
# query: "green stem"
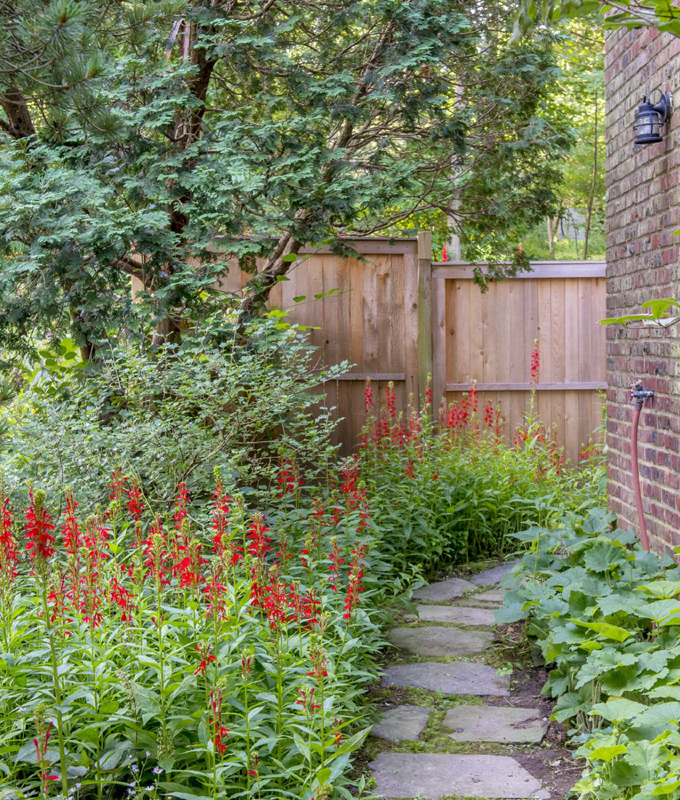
[[247, 735], [57, 685], [161, 661]]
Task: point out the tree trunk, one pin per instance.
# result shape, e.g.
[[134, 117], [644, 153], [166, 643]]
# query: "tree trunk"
[[593, 183], [551, 247], [13, 103]]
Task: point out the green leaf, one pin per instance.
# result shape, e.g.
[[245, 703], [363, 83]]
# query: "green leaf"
[[619, 709], [605, 630], [606, 753]]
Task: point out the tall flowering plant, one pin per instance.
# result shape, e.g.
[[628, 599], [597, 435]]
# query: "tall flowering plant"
[[452, 484], [160, 645]]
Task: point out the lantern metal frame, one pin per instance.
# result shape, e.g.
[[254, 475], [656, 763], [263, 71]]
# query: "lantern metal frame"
[[651, 117]]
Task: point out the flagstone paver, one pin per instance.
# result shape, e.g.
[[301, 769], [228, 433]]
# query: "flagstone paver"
[[444, 590], [435, 775], [457, 615], [490, 577], [460, 677], [478, 604], [489, 596], [433, 641], [495, 724], [402, 723]]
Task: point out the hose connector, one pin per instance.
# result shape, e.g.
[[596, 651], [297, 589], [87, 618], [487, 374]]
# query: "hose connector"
[[639, 395]]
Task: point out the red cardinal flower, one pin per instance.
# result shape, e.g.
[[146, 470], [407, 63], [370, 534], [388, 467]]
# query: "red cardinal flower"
[[39, 527], [258, 543], [156, 553], [8, 549], [220, 516], [206, 658], [135, 500], [535, 364]]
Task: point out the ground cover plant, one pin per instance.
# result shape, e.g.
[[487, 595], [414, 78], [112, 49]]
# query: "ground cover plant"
[[606, 616]]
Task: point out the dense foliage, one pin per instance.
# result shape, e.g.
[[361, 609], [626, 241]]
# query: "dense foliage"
[[170, 414], [207, 652], [193, 644], [449, 487], [627, 14], [144, 139], [578, 230], [606, 616]]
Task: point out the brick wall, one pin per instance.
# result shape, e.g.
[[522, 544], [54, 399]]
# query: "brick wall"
[[642, 264]]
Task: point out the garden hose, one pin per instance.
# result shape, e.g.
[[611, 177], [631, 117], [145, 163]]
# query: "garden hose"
[[639, 395]]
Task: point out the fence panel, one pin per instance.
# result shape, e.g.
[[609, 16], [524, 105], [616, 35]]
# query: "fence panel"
[[372, 322], [489, 338]]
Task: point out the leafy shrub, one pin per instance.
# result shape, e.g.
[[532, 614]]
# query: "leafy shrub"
[[606, 615], [169, 414], [452, 490]]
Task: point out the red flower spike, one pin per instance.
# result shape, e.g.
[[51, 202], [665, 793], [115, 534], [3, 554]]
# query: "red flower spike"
[[8, 549], [135, 500], [156, 553], [117, 485], [220, 517], [535, 364], [38, 528], [368, 397], [258, 541]]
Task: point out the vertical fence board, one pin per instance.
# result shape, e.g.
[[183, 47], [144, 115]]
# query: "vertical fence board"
[[410, 270]]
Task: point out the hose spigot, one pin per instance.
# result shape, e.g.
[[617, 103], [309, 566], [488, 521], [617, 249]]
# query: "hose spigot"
[[639, 395]]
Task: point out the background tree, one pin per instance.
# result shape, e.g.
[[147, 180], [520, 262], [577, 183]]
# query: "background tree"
[[576, 231], [138, 139]]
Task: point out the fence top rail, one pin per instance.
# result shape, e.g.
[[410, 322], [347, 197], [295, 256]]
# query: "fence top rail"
[[464, 270], [378, 245]]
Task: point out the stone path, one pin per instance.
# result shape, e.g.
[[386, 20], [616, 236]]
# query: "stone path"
[[433, 775]]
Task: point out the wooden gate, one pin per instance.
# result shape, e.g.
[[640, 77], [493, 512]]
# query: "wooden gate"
[[489, 338], [370, 320]]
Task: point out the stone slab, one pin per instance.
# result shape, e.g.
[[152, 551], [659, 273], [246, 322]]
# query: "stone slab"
[[473, 603], [495, 724], [432, 641], [490, 596], [434, 775], [402, 723], [460, 677], [457, 615], [444, 590], [490, 577]]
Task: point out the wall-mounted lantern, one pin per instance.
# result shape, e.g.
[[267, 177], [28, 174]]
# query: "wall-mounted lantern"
[[650, 118]]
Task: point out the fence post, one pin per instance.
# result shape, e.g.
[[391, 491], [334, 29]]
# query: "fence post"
[[424, 309]]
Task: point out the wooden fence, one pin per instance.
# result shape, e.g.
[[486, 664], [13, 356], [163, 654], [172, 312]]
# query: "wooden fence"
[[396, 317], [489, 338]]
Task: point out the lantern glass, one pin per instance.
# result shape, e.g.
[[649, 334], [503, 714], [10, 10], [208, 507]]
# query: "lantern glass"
[[647, 127]]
